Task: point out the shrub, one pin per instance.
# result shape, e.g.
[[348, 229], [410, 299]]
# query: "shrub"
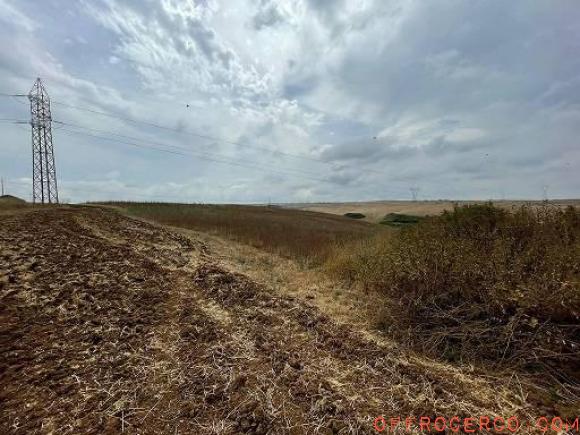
[[399, 219], [354, 215], [480, 282]]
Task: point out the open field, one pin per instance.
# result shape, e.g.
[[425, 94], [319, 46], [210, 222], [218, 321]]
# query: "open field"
[[113, 324], [376, 210], [306, 235], [526, 271]]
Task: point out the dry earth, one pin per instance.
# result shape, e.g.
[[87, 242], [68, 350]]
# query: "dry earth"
[[110, 324], [376, 210]]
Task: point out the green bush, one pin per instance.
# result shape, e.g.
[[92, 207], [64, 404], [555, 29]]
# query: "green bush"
[[399, 219], [354, 215]]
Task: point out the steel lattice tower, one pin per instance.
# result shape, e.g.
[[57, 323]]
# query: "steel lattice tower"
[[44, 185]]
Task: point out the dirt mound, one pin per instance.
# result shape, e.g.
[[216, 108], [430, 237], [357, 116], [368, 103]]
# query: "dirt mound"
[[11, 199]]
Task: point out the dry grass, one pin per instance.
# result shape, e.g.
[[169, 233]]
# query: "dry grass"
[[286, 276], [120, 325], [375, 211], [307, 236], [480, 283], [9, 203], [477, 285]]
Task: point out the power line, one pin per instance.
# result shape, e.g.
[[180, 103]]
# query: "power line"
[[179, 148], [203, 156], [191, 133], [108, 191], [91, 190], [3, 94], [15, 121], [188, 132], [182, 151]]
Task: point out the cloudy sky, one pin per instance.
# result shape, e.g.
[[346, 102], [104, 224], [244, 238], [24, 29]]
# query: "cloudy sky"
[[296, 100]]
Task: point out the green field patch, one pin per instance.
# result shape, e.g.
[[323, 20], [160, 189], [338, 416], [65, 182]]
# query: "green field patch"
[[353, 215], [400, 219]]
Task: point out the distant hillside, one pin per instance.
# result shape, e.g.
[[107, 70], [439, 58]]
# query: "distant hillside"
[[375, 211], [9, 199]]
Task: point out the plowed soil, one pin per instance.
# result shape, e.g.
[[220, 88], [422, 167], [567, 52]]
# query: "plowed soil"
[[110, 325]]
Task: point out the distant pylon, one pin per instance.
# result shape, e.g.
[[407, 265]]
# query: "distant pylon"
[[415, 193], [44, 185]]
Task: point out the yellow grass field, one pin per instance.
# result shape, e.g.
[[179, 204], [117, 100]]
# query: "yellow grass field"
[[376, 210]]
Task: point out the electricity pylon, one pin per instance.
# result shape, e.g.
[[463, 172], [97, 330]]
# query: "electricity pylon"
[[415, 193], [44, 185]]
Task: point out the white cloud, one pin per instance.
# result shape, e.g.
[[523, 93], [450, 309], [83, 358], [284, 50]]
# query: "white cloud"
[[465, 135], [439, 94], [10, 15]]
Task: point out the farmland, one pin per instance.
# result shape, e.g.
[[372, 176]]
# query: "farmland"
[[305, 235], [151, 319], [308, 217], [375, 211]]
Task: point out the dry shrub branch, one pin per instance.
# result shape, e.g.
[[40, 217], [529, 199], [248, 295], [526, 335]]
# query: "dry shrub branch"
[[480, 283]]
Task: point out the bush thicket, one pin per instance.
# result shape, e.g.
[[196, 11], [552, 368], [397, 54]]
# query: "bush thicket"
[[480, 282]]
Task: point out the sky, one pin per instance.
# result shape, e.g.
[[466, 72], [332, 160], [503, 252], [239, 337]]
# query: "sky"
[[256, 101]]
